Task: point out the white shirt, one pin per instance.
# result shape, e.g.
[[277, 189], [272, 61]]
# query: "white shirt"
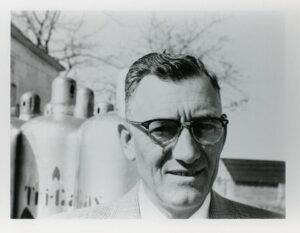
[[150, 211]]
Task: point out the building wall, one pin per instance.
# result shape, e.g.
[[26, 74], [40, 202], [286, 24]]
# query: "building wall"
[[30, 73], [224, 183], [269, 198]]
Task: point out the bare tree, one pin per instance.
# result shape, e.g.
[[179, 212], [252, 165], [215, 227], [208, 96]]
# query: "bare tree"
[[197, 38], [41, 26], [62, 37]]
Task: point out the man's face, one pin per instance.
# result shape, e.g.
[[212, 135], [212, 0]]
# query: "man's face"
[[162, 169]]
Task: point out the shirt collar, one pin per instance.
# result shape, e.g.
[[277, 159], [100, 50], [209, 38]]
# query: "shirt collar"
[[149, 211]]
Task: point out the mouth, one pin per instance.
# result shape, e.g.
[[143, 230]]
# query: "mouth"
[[185, 173]]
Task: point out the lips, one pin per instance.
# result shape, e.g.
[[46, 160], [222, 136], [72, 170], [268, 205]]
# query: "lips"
[[185, 173]]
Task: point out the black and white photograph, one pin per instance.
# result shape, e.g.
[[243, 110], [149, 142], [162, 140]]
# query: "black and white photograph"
[[153, 115]]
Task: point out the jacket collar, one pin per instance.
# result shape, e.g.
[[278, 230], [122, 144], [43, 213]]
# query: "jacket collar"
[[220, 207]]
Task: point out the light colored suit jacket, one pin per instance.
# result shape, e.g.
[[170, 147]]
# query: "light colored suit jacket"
[[128, 208]]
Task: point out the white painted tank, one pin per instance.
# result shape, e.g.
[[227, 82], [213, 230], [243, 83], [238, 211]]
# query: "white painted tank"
[[52, 142], [15, 134], [84, 106], [14, 107], [48, 109], [103, 107], [120, 95], [30, 106], [104, 174]]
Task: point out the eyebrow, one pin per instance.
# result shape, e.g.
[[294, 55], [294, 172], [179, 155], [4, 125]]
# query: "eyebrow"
[[173, 119], [206, 116]]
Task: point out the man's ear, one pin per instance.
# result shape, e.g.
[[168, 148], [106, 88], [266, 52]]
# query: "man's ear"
[[126, 141]]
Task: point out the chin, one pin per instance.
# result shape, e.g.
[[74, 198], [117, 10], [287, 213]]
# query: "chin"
[[185, 197]]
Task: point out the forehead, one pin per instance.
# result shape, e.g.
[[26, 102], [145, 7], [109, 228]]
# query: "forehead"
[[156, 98]]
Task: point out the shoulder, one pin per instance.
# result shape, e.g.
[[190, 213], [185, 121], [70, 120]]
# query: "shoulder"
[[224, 208], [102, 211], [125, 207]]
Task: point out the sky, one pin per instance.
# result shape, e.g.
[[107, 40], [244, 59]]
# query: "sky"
[[257, 48]]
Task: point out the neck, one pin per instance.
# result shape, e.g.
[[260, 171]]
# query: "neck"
[[182, 213]]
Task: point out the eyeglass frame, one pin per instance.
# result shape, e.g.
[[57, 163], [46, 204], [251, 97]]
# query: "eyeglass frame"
[[144, 127]]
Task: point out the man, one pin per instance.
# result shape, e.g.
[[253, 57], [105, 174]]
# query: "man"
[[175, 134]]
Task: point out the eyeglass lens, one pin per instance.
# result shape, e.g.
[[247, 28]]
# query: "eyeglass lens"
[[204, 131]]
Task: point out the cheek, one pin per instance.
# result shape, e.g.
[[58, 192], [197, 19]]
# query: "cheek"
[[213, 156], [148, 154]]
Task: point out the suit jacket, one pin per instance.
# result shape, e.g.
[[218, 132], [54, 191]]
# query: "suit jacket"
[[128, 208]]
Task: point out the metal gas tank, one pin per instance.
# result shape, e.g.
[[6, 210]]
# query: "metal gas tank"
[[15, 110], [103, 108], [120, 92], [48, 109], [15, 134], [104, 173], [54, 144], [16, 122], [14, 106], [84, 106], [30, 106], [46, 172]]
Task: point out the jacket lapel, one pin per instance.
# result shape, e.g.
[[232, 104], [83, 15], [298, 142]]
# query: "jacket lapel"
[[220, 207]]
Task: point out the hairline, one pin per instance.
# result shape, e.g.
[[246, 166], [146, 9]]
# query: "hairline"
[[169, 79]]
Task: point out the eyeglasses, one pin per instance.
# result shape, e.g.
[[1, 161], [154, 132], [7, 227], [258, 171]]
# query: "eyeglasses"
[[204, 130]]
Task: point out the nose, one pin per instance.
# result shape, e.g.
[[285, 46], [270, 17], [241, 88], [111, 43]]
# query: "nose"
[[186, 148]]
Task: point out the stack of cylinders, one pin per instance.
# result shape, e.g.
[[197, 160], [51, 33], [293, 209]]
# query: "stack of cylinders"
[[103, 107], [104, 174], [48, 163], [84, 106], [30, 106]]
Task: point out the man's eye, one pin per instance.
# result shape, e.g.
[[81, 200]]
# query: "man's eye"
[[160, 129], [163, 131], [207, 126]]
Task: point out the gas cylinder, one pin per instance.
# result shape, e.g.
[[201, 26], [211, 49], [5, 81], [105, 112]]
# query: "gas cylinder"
[[13, 100], [13, 94], [15, 134], [84, 106], [120, 92], [48, 109], [104, 173], [15, 110], [103, 107], [30, 106], [53, 143]]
